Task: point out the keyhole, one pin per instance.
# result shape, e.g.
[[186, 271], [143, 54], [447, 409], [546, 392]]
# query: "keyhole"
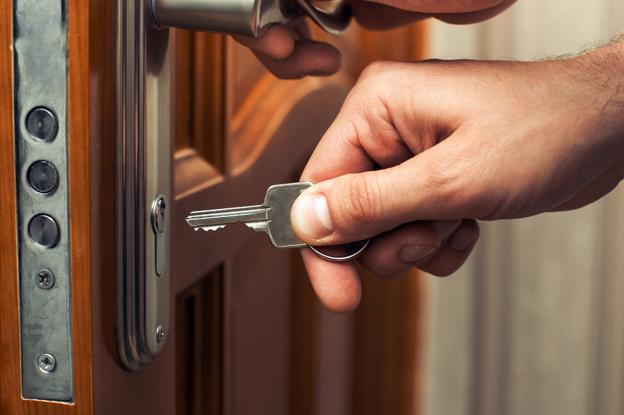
[[158, 214]]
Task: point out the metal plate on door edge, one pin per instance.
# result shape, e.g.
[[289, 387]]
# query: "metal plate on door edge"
[[40, 103]]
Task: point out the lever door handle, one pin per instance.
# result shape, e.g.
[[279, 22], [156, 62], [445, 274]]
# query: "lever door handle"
[[144, 61], [249, 17]]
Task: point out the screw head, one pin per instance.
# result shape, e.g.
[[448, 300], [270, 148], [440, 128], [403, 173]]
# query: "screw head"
[[45, 279], [42, 124], [160, 334], [46, 362]]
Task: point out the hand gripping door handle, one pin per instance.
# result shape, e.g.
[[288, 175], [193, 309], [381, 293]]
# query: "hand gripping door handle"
[[249, 17]]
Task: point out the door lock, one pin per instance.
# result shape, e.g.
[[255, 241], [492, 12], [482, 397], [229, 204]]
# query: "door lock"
[[144, 61], [144, 153], [249, 17], [159, 223]]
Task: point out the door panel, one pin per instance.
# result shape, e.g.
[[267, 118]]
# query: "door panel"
[[268, 370], [199, 350], [247, 334], [272, 156], [263, 130], [199, 88]]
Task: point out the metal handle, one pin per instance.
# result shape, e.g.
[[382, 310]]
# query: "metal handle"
[[144, 188], [334, 18], [247, 17]]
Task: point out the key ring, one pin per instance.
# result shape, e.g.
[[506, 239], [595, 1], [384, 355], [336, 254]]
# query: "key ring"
[[344, 258]]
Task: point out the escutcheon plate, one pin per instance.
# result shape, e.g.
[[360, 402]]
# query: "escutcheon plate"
[[144, 173]]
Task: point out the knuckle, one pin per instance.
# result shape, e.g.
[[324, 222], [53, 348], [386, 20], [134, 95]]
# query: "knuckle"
[[361, 204], [375, 70], [458, 182], [377, 84]]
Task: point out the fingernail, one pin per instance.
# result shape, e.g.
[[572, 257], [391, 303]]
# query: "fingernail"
[[462, 239], [310, 216], [414, 253], [444, 228]]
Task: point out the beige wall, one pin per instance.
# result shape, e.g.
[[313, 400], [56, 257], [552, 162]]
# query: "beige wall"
[[534, 323]]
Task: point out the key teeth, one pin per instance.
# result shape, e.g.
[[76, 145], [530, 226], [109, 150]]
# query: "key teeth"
[[210, 228]]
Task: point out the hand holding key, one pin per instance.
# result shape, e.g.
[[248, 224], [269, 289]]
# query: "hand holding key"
[[272, 218], [457, 141]]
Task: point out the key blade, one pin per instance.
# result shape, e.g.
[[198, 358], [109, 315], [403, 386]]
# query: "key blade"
[[212, 219]]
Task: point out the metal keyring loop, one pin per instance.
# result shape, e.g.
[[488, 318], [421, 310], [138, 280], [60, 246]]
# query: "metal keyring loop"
[[346, 258]]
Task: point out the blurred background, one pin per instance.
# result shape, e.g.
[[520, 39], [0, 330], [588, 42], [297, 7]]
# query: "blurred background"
[[534, 323]]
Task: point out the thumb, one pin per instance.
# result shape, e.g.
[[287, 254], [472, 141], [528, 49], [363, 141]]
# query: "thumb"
[[362, 205]]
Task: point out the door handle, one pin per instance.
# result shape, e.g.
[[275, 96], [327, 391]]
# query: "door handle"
[[249, 17], [143, 193], [144, 145]]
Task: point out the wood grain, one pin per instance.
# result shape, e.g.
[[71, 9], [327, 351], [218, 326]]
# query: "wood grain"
[[199, 93], [10, 390], [199, 347], [78, 147], [387, 339], [276, 159], [80, 202], [303, 360]]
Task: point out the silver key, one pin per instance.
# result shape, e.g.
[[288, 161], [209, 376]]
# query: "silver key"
[[272, 217]]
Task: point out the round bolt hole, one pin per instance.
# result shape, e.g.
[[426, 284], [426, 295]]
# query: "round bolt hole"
[[43, 176], [42, 124], [44, 231], [46, 363], [45, 279]]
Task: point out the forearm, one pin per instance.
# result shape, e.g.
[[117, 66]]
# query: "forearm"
[[589, 88]]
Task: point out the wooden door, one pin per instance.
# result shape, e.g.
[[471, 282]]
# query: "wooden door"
[[247, 335]]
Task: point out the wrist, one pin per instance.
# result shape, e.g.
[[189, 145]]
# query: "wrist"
[[602, 71]]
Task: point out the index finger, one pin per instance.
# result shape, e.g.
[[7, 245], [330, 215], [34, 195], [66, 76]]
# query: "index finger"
[[363, 134], [338, 153]]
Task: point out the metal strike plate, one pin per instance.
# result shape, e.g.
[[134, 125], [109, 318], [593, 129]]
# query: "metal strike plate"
[[40, 104], [143, 183], [249, 17]]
